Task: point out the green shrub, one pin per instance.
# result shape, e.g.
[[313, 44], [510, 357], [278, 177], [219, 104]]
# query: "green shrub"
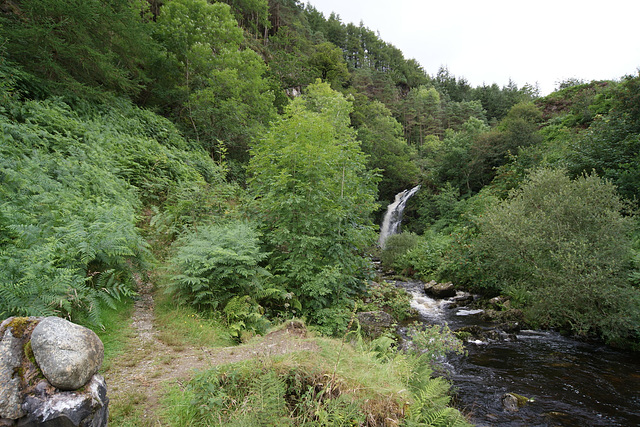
[[313, 196], [396, 246], [389, 298], [191, 203], [218, 268], [336, 385], [424, 258], [563, 247]]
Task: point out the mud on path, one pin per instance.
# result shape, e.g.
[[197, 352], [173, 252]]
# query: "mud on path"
[[140, 375]]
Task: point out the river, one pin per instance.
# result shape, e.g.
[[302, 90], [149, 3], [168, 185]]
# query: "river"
[[568, 382]]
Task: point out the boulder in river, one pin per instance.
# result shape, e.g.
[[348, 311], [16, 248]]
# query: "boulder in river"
[[504, 316], [68, 354], [512, 402], [440, 290]]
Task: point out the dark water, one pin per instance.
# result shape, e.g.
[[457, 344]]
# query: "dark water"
[[570, 383]]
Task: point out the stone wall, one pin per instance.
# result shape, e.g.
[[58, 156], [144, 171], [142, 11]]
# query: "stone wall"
[[48, 374]]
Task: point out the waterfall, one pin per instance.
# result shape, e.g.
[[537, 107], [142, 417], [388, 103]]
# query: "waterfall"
[[393, 217]]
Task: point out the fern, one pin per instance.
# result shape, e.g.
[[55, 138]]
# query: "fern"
[[267, 397], [72, 184], [430, 406]]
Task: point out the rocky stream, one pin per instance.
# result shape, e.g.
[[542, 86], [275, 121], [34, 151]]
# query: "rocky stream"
[[520, 377]]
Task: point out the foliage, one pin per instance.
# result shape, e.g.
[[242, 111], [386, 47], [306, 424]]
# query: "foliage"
[[424, 259], [564, 244], [86, 47], [314, 196], [217, 88], [456, 159], [328, 63], [69, 238], [73, 180], [321, 388], [396, 246], [190, 203], [433, 341], [381, 138], [389, 298], [218, 267], [611, 143], [422, 114]]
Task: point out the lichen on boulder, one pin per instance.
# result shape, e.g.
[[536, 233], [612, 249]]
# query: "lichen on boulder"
[[14, 335], [68, 354]]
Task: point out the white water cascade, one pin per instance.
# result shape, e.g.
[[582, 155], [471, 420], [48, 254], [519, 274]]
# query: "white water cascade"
[[393, 217]]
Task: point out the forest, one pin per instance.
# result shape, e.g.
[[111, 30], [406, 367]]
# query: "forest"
[[248, 149]]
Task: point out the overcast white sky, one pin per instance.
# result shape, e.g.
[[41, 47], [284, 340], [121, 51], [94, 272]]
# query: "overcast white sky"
[[491, 41]]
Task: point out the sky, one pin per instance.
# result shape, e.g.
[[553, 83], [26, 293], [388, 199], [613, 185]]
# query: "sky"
[[541, 42]]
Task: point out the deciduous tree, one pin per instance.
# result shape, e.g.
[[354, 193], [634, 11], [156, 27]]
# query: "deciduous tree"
[[314, 197]]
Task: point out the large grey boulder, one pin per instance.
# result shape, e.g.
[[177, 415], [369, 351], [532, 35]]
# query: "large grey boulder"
[[27, 398], [68, 354]]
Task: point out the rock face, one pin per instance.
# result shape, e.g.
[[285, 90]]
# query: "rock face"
[[68, 354], [440, 290], [374, 323]]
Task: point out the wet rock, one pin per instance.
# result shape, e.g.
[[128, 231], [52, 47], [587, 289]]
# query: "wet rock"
[[470, 333], [469, 312], [68, 354], [506, 316], [509, 402], [510, 327], [374, 323], [512, 402], [497, 302], [462, 298], [478, 333], [86, 408], [440, 290]]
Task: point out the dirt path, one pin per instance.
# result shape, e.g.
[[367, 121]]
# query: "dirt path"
[[137, 379]]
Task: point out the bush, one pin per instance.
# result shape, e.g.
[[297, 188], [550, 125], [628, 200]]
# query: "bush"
[[389, 298], [335, 385], [218, 268], [396, 246], [425, 257], [563, 247]]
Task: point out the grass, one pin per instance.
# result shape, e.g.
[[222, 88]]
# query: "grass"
[[180, 326], [115, 332], [128, 408], [352, 386]]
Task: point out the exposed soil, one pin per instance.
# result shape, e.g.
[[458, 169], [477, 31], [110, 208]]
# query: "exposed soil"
[[148, 365]]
